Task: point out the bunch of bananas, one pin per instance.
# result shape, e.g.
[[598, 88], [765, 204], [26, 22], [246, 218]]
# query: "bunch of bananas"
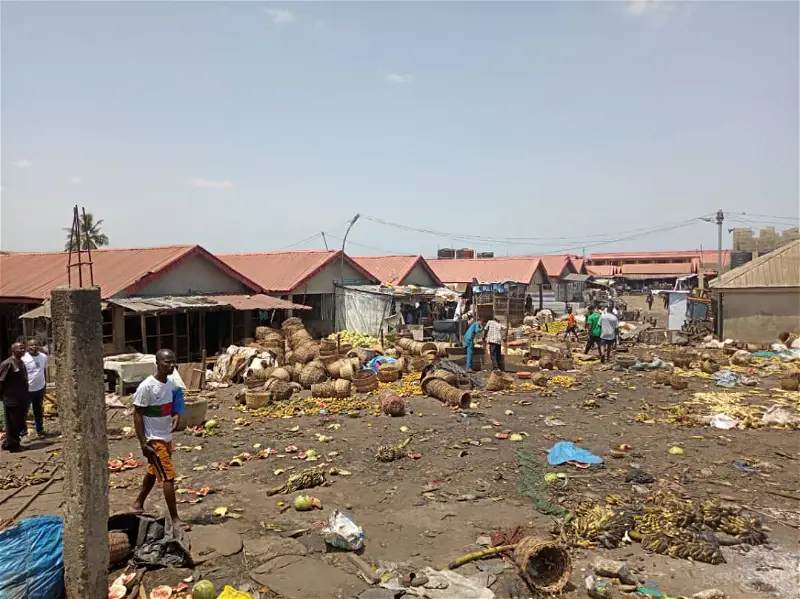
[[685, 546], [597, 524], [389, 453], [307, 479]]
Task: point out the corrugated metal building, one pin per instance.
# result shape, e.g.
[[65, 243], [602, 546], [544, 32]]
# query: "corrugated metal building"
[[761, 299], [400, 270], [306, 277], [177, 297]]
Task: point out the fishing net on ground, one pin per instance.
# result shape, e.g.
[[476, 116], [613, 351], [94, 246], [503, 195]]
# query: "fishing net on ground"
[[531, 484]]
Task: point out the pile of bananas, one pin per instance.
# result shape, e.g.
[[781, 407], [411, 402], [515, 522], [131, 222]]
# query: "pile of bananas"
[[664, 524], [555, 327], [561, 380], [388, 453], [355, 339], [307, 479]]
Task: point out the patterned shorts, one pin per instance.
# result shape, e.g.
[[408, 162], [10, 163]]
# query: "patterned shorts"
[[161, 467]]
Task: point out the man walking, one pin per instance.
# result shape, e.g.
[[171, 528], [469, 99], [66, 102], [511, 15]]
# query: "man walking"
[[593, 328], [14, 391], [36, 366], [572, 325], [154, 420], [469, 341], [493, 335], [609, 324]]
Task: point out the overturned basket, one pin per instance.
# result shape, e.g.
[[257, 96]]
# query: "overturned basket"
[[441, 390], [545, 565], [312, 374], [327, 389], [343, 388], [498, 381], [391, 403], [119, 547], [451, 378], [365, 381], [305, 353]]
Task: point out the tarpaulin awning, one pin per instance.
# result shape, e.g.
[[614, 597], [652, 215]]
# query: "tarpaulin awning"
[[168, 304], [259, 302]]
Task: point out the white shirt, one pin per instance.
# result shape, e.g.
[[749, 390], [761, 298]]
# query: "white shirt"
[[494, 332], [36, 367], [608, 326], [157, 398]]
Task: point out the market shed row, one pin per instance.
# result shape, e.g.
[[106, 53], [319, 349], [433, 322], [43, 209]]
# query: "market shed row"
[[176, 297]]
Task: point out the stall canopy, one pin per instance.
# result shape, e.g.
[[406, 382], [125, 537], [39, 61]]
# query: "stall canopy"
[[200, 302], [43, 311], [366, 308]]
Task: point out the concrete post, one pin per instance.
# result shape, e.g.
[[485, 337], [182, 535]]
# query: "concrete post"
[[78, 340]]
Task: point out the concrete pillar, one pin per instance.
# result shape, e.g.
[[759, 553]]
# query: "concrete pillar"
[[77, 336]]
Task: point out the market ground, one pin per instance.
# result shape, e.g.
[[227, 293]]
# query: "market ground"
[[469, 480]]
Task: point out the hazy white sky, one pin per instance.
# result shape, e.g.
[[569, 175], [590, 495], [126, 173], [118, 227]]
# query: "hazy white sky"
[[251, 126]]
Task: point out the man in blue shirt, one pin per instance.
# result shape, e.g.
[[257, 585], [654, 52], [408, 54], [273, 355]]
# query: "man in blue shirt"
[[469, 340]]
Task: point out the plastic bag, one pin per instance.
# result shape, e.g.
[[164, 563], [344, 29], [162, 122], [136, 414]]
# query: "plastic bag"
[[342, 532], [32, 559]]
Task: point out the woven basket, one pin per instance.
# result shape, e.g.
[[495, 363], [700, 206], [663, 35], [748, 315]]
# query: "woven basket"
[[564, 364], [305, 353], [349, 368], [682, 360], [279, 390], [391, 403], [790, 384], [312, 374], [499, 381], [257, 399], [282, 374], [300, 337], [441, 348], [451, 378], [661, 378], [388, 374], [418, 363], [344, 348], [545, 565], [328, 346], [401, 364], [291, 322], [365, 381], [439, 389], [327, 389], [343, 388], [119, 547], [417, 348]]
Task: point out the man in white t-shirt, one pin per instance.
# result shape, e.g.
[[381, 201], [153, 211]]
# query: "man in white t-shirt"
[[154, 420], [36, 364], [609, 324]]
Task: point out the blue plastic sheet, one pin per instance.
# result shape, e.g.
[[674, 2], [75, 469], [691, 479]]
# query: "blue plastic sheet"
[[564, 451], [32, 559]]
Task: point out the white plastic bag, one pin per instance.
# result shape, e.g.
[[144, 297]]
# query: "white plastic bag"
[[723, 421], [342, 532]]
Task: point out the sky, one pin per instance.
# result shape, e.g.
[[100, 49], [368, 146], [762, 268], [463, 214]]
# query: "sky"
[[513, 127]]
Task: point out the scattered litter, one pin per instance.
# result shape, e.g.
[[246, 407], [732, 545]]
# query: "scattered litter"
[[122, 464], [565, 451], [342, 533], [726, 378], [553, 422], [723, 422], [779, 416], [444, 584]]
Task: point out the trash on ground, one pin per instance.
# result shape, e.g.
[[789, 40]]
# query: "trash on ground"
[[342, 533], [566, 451]]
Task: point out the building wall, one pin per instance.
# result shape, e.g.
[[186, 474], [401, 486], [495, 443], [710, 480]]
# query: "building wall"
[[323, 281], [759, 315], [419, 276], [195, 276]]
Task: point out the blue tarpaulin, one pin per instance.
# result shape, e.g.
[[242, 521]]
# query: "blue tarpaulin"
[[32, 559]]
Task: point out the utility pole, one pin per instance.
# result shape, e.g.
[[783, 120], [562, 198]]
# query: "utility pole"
[[720, 220], [325, 241]]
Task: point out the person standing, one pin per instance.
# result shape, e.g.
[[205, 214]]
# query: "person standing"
[[609, 324], [650, 300], [469, 341], [572, 326], [14, 392], [493, 335], [593, 328], [36, 366], [154, 420]]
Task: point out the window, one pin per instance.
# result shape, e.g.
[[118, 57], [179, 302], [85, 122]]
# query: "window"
[[108, 327]]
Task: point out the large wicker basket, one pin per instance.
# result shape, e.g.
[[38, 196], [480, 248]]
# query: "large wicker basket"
[[312, 374], [119, 548], [343, 388], [365, 381], [439, 389], [303, 354], [451, 378], [545, 565], [498, 381], [388, 374], [327, 389], [291, 322]]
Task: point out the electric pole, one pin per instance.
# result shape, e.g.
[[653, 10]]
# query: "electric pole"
[[720, 219]]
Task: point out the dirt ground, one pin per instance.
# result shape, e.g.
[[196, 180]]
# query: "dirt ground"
[[427, 511]]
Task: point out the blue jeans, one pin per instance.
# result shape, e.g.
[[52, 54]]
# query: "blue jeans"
[[470, 351]]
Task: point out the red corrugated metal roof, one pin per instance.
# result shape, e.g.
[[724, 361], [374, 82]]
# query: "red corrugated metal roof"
[[517, 269], [33, 275], [283, 272], [394, 269], [554, 265], [603, 271], [578, 262], [657, 270]]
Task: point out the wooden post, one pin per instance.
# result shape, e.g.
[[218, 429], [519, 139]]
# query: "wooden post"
[[203, 368], [144, 333]]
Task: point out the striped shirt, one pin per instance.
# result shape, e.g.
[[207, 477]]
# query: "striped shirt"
[[156, 398], [494, 332]]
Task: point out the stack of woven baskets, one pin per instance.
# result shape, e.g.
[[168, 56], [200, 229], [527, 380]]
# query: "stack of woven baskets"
[[313, 373], [417, 348], [272, 340], [303, 347], [340, 388], [442, 390]]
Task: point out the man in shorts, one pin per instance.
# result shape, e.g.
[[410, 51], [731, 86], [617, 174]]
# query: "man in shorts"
[[154, 420], [609, 324], [593, 328], [572, 325]]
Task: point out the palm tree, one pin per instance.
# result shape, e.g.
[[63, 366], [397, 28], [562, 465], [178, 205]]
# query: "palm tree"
[[91, 235]]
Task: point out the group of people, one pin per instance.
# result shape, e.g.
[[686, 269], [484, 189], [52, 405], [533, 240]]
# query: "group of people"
[[23, 381], [492, 337], [603, 331]]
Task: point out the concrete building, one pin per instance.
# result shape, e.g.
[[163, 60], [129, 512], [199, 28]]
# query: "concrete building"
[[305, 277], [768, 239], [761, 299], [177, 297], [400, 270]]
